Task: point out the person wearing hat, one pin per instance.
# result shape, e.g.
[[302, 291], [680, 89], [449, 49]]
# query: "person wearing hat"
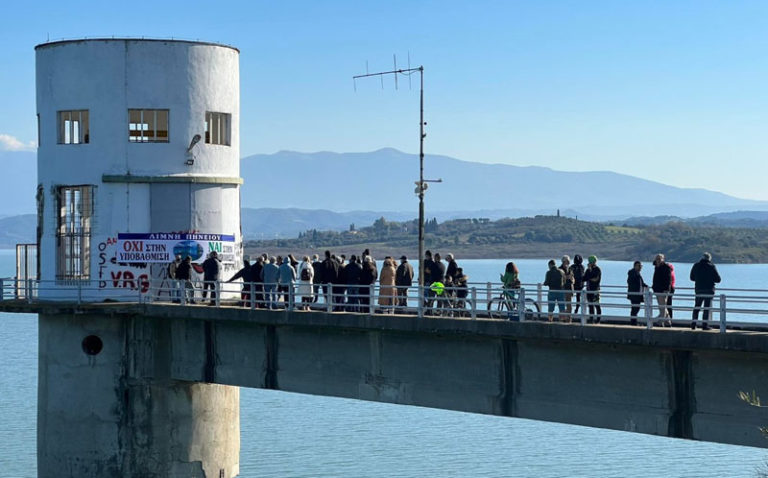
[[403, 280], [704, 276], [592, 277]]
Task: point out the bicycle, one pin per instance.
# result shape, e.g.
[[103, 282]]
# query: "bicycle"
[[505, 306]]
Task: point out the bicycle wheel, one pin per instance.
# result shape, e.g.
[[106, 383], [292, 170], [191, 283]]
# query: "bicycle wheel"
[[532, 309], [497, 308]]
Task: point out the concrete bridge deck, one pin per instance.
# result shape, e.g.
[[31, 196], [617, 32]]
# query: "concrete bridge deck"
[[669, 382]]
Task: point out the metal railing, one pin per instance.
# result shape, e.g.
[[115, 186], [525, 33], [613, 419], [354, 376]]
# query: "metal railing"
[[734, 308]]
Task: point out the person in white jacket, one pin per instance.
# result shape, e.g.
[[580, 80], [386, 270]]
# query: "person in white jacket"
[[306, 276]]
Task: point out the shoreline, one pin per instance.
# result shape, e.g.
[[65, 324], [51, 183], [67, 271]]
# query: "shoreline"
[[610, 252]]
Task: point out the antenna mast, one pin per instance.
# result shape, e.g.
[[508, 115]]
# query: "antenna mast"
[[421, 184]]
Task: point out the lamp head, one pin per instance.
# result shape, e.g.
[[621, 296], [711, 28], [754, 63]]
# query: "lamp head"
[[195, 139]]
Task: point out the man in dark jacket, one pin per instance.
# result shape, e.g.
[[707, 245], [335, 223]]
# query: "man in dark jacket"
[[352, 273], [592, 278], [426, 269], [403, 280], [184, 274], [704, 275], [635, 289], [329, 273], [367, 277], [258, 283], [661, 285], [246, 273], [555, 280], [318, 278], [577, 270], [211, 273], [438, 269]]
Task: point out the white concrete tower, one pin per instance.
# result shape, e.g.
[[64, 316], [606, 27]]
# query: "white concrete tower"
[[137, 137], [138, 156]]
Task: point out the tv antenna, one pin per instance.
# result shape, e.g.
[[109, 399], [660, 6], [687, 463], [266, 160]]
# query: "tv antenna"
[[421, 184]]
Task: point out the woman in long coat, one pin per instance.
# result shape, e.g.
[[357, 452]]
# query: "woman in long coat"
[[306, 276], [387, 290]]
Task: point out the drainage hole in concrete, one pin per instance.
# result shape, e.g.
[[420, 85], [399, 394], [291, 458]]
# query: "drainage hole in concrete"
[[92, 345]]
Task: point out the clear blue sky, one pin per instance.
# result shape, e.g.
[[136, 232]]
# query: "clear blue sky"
[[673, 91]]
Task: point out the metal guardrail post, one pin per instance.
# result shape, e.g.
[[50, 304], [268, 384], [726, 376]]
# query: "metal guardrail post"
[[521, 305], [540, 296], [421, 301], [372, 299], [329, 298], [473, 301], [583, 307], [722, 314], [648, 302], [181, 287], [488, 292], [291, 297], [252, 295], [217, 291]]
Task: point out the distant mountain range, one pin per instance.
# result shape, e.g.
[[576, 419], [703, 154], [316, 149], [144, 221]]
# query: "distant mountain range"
[[288, 192], [383, 180]]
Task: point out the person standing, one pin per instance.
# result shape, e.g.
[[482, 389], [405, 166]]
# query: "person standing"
[[635, 290], [286, 278], [270, 275], [246, 274], [330, 275], [184, 274], [403, 280], [592, 278], [367, 277], [352, 281], [426, 269], [318, 278], [704, 276], [450, 271], [555, 280], [577, 271], [662, 281], [174, 283], [462, 290], [258, 283], [565, 266], [671, 289], [387, 286], [306, 275], [211, 275]]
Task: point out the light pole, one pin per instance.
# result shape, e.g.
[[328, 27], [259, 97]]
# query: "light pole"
[[421, 184]]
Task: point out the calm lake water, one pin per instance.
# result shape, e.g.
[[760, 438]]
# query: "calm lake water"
[[291, 435]]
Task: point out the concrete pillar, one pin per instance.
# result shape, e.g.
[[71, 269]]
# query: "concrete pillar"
[[108, 408]]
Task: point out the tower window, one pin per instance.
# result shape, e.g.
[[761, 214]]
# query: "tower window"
[[73, 127], [148, 126], [217, 128], [73, 233]]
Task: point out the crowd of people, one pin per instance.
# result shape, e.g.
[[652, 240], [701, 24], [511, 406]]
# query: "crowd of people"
[[346, 284], [567, 281]]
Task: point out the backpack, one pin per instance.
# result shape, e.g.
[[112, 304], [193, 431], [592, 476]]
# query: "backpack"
[[305, 273]]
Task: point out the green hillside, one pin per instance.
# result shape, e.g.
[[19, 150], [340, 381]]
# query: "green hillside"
[[540, 236]]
